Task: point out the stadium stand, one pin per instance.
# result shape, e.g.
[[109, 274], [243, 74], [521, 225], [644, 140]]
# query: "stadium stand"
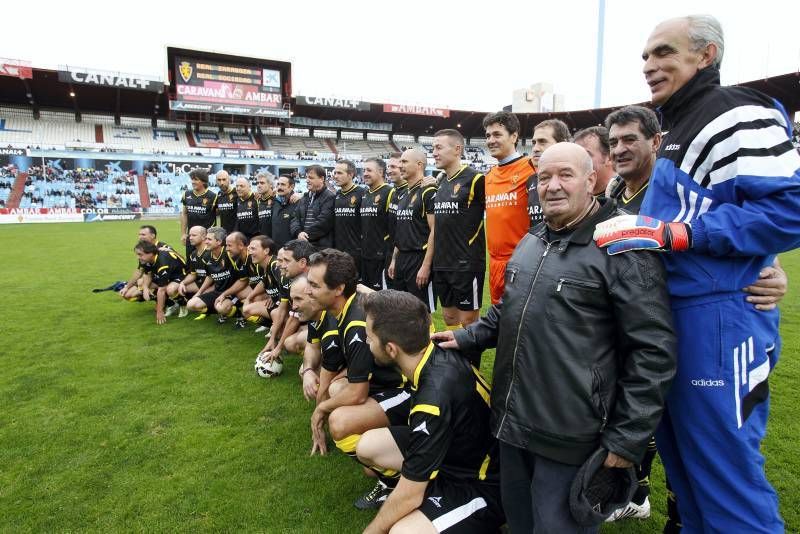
[[166, 189], [81, 188], [8, 175]]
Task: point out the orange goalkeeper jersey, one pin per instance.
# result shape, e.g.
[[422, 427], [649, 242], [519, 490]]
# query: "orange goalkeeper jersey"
[[507, 217]]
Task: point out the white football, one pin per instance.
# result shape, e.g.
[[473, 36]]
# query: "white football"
[[267, 369]]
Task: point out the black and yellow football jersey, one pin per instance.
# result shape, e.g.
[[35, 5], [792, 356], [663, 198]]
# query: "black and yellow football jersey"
[[169, 266], [224, 270], [347, 221], [265, 215], [460, 238], [201, 210], [247, 215], [226, 208], [412, 230], [375, 222], [351, 326], [450, 433]]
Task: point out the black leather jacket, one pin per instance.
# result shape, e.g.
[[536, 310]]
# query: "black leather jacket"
[[315, 218], [585, 346]]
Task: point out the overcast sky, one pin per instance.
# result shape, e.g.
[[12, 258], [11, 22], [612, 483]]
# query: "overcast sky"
[[460, 55]]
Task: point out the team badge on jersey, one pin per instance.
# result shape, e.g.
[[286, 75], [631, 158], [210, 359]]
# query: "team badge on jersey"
[[205, 201], [377, 199], [353, 201], [456, 189], [515, 179], [186, 71], [413, 198], [249, 203]]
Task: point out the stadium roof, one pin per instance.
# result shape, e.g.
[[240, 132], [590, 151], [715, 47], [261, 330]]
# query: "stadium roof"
[[44, 90]]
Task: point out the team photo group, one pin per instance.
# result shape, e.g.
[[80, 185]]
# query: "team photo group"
[[634, 289]]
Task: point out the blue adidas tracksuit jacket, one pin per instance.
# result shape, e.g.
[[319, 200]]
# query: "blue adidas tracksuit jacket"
[[728, 168]]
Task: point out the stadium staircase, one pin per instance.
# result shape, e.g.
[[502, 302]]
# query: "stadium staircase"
[[98, 133], [394, 145], [17, 191], [190, 139], [332, 146], [144, 192]]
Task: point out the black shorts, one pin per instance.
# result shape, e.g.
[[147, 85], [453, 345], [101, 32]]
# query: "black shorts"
[[457, 506], [460, 290], [373, 274], [396, 404], [208, 299], [406, 267]]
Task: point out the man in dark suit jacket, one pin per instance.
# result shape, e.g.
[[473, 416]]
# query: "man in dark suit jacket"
[[313, 221]]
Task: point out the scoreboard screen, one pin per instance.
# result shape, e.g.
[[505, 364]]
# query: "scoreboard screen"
[[202, 83]]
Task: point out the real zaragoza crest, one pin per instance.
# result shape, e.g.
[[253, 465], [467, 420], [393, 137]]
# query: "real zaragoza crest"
[[186, 70]]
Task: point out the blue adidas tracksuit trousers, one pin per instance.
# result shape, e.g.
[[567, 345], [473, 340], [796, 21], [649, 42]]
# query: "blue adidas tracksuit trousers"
[[716, 415]]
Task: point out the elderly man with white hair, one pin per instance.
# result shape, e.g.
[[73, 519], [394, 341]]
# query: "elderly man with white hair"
[[723, 200]]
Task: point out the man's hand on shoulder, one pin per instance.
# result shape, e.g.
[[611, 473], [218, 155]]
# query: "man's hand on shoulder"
[[446, 339]]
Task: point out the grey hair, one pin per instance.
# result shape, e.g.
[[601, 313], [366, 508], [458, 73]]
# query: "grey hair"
[[268, 175], [705, 30], [219, 233]]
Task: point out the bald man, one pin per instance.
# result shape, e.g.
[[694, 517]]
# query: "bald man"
[[410, 268], [226, 202], [246, 209], [597, 330], [195, 262]]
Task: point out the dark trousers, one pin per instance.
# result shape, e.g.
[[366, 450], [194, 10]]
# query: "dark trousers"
[[535, 493]]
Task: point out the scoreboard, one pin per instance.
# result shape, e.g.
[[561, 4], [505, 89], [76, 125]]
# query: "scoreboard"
[[214, 83]]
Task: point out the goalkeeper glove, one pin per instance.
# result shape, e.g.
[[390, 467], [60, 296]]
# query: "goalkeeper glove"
[[638, 232]]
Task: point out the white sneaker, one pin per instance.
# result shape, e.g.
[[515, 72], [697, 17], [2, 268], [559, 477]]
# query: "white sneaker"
[[183, 312], [632, 511], [171, 310], [261, 328]]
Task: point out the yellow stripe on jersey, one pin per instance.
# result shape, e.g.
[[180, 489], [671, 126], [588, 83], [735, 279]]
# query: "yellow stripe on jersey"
[[352, 324], [421, 364], [480, 378], [482, 391], [389, 198], [343, 313], [422, 196], [433, 475], [477, 232], [484, 468], [330, 333], [426, 408], [472, 189]]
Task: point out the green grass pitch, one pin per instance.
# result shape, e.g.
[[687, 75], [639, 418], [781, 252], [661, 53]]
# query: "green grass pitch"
[[109, 422]]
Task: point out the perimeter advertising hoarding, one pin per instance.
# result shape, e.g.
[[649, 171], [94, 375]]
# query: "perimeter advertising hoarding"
[[224, 87], [416, 110], [109, 79], [331, 102]]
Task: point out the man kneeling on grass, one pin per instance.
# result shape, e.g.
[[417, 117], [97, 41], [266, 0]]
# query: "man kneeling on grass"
[[165, 269], [447, 456], [225, 277], [372, 396]]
